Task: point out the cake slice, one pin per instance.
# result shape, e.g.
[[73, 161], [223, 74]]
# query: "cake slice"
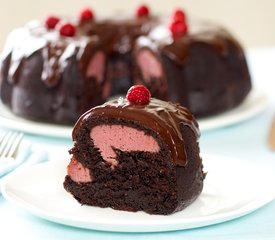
[[136, 154]]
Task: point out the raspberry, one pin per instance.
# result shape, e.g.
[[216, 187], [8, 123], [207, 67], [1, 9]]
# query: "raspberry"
[[179, 15], [138, 94], [86, 15], [142, 11], [51, 22], [178, 28], [67, 30]]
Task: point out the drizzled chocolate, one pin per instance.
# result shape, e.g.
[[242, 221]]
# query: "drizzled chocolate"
[[39, 61], [115, 36], [178, 49], [54, 49], [164, 118]]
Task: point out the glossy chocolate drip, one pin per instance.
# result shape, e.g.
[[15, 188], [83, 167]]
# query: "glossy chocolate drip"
[[178, 50], [21, 44], [62, 62], [162, 117], [160, 39], [55, 51], [51, 69], [119, 35], [115, 36]]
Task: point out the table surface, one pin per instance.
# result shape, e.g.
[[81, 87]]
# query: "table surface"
[[246, 140]]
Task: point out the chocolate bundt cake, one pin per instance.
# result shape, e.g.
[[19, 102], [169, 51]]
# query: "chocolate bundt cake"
[[136, 154], [54, 71]]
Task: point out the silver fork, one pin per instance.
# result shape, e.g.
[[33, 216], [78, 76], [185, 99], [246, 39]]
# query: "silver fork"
[[9, 144]]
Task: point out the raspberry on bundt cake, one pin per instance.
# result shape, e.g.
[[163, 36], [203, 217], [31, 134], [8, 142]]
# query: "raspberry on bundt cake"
[[136, 154], [54, 71]]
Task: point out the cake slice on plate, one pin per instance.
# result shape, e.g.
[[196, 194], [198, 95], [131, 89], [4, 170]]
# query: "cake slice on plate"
[[136, 154]]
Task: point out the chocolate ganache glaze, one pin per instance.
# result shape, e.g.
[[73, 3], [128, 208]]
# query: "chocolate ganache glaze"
[[48, 77], [162, 117]]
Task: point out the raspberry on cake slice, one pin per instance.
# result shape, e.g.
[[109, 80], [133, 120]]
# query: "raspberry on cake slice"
[[136, 154]]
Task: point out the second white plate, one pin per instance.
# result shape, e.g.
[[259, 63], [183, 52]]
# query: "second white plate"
[[227, 194]]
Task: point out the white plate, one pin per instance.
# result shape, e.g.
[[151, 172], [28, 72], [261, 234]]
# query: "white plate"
[[255, 102], [227, 195]]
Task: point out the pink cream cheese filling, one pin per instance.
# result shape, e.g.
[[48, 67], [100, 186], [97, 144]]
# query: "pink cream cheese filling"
[[78, 172], [150, 66], [96, 67], [109, 137]]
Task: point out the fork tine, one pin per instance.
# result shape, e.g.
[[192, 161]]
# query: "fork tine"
[[15, 145], [9, 144], [4, 142]]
